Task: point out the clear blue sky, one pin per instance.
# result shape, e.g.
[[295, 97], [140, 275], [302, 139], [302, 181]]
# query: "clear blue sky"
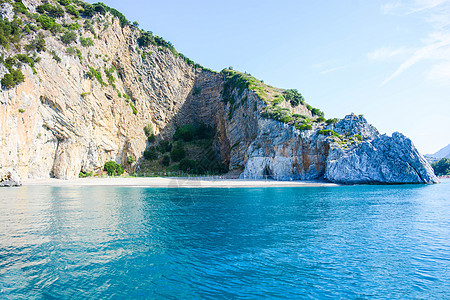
[[388, 60]]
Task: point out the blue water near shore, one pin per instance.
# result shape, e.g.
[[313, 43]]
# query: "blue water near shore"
[[319, 242]]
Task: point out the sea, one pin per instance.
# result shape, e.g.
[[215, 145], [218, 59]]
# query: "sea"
[[343, 242]]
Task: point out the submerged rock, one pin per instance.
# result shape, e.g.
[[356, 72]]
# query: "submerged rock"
[[10, 178]]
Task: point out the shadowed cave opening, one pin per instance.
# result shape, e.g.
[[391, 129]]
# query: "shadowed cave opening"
[[267, 173]]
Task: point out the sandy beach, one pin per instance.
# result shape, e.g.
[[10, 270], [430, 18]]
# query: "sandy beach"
[[173, 182]]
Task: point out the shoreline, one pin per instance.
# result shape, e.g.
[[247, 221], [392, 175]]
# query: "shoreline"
[[173, 182]]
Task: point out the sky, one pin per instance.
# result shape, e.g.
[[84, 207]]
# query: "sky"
[[388, 60]]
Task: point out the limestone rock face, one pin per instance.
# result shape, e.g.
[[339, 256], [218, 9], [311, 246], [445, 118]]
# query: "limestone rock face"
[[381, 160], [6, 11], [287, 154], [281, 152], [10, 178], [377, 159], [352, 124], [60, 122]]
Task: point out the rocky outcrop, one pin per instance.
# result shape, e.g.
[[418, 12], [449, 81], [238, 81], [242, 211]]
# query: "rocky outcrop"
[[359, 155], [378, 159], [282, 152], [10, 178], [6, 11]]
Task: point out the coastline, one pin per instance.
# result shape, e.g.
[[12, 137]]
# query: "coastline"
[[173, 182]]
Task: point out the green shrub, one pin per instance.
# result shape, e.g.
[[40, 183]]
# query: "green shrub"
[[46, 21], [15, 77], [113, 168], [25, 59], [278, 113], [89, 27], [185, 133], [164, 146], [294, 97], [55, 56], [74, 52], [329, 132], [187, 165], [442, 167], [10, 32], [304, 127], [131, 159], [133, 108], [316, 112], [93, 73], [178, 152], [148, 130], [18, 76], [109, 74], [20, 8], [277, 100], [86, 42], [320, 119], [8, 81], [37, 44], [151, 138], [299, 117], [90, 9], [52, 11], [72, 10], [165, 161], [332, 121], [69, 37], [64, 2], [151, 154], [84, 175]]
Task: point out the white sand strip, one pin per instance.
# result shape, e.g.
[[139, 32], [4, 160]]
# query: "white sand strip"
[[172, 182]]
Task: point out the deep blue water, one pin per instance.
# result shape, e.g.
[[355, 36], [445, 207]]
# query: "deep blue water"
[[360, 242]]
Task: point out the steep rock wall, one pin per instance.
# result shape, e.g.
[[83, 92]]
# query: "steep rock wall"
[[60, 122]]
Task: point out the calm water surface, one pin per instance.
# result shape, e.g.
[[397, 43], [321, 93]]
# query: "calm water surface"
[[326, 242]]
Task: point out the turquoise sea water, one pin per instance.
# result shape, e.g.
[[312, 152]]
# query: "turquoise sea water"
[[360, 242]]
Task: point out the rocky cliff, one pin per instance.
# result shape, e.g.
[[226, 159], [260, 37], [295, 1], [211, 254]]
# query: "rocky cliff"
[[92, 82]]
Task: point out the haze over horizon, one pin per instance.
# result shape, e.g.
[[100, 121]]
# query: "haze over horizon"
[[388, 60]]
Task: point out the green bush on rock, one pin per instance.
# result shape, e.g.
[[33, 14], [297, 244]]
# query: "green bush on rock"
[[15, 77], [294, 97], [303, 127], [329, 132], [69, 37]]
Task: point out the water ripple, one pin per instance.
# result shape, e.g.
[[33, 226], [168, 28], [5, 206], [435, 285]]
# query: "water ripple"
[[384, 242]]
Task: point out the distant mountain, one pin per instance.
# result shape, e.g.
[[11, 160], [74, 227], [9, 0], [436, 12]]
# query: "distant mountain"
[[444, 152]]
